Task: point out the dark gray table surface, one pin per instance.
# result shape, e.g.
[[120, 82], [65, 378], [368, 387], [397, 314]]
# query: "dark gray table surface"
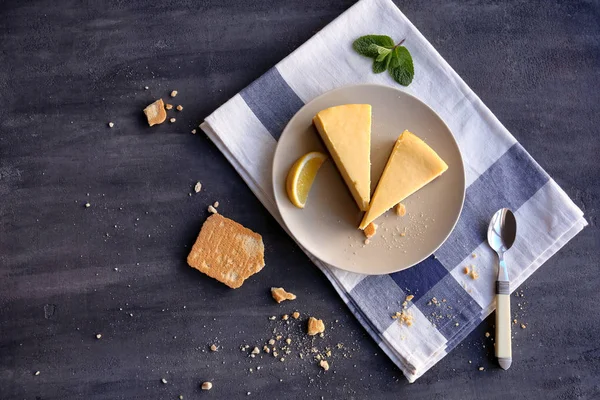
[[70, 67]]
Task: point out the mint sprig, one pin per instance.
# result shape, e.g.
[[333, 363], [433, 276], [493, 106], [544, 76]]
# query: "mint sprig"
[[387, 55]]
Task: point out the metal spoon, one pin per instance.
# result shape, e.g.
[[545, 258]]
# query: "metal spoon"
[[501, 236]]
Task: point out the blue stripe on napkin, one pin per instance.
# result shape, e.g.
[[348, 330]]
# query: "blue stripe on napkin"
[[389, 299], [452, 306], [272, 100], [509, 182], [420, 278]]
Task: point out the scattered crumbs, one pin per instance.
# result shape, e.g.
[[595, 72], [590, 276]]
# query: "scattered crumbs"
[[409, 297], [266, 349], [285, 317], [164, 381], [193, 131], [295, 315], [271, 342], [470, 361], [279, 294], [174, 93], [146, 88], [155, 113], [514, 321], [37, 373], [456, 324], [98, 336], [367, 241], [87, 205], [180, 397], [370, 230], [214, 347], [206, 386], [255, 351], [487, 334], [169, 106], [523, 326], [213, 210], [324, 364], [179, 107], [282, 359], [404, 317], [481, 368], [288, 341], [197, 187], [111, 124], [473, 274], [466, 270], [400, 209], [272, 318], [172, 120], [315, 326], [216, 204], [473, 255]]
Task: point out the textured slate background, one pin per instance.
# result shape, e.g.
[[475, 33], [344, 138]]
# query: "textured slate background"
[[70, 67]]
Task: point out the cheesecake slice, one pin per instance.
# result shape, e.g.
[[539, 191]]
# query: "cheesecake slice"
[[346, 131], [412, 165]]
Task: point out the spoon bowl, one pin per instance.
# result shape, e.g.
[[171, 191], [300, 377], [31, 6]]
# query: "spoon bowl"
[[502, 231]]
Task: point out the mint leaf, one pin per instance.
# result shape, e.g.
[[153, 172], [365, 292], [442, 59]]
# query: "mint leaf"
[[383, 53], [380, 66], [401, 66], [362, 45]]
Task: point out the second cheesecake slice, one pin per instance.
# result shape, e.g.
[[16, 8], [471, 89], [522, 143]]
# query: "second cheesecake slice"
[[346, 131], [412, 165]]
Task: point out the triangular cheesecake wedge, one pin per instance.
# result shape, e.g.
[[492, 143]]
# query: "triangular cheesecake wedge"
[[412, 165], [346, 131]]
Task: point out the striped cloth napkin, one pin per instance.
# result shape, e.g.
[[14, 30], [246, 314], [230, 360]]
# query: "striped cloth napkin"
[[499, 173]]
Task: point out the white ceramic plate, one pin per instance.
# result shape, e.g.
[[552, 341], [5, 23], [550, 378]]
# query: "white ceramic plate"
[[327, 226]]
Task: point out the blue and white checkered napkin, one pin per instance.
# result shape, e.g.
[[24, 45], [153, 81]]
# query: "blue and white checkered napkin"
[[499, 173]]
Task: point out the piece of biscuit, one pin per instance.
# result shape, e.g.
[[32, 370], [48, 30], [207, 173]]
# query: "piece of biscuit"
[[227, 251], [279, 294]]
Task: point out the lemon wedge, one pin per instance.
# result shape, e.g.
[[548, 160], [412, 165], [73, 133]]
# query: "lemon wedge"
[[302, 175]]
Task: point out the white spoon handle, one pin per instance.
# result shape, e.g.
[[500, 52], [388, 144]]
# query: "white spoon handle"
[[503, 340]]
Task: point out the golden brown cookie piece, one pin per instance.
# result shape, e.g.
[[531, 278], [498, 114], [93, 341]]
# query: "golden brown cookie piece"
[[279, 294], [227, 251], [156, 113], [315, 326], [400, 209], [370, 230]]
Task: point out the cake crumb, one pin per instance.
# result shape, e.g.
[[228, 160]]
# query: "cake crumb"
[[271, 342], [288, 341], [481, 368], [213, 210], [315, 326], [285, 317], [98, 336], [255, 351], [367, 241], [409, 297], [514, 321], [280, 294], [487, 334], [324, 364], [400, 209], [155, 113], [146, 88], [169, 106], [523, 326], [206, 386], [466, 270], [174, 93], [370, 230], [295, 315], [164, 381], [473, 255], [111, 124], [216, 204], [172, 120], [193, 131], [37, 373], [404, 317], [87, 205], [179, 107], [473, 274], [213, 347], [197, 187]]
